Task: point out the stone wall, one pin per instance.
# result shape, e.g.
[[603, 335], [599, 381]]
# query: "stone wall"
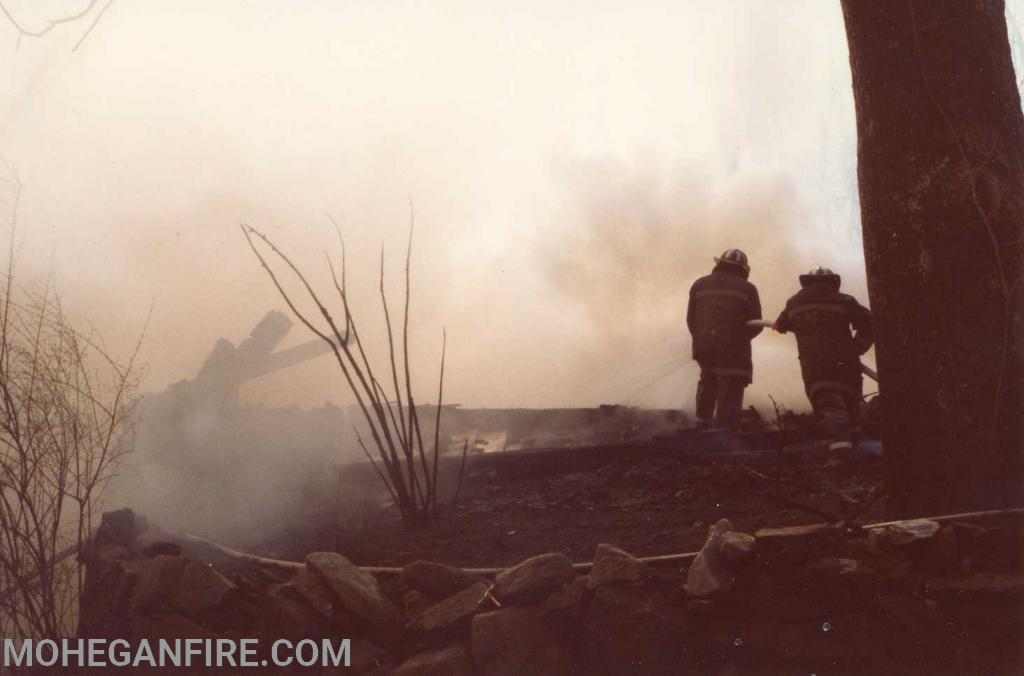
[[912, 597]]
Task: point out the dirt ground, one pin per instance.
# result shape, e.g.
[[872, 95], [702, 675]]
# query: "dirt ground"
[[647, 506]]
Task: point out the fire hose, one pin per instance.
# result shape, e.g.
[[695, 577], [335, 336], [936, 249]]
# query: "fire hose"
[[236, 555], [583, 566], [768, 324]]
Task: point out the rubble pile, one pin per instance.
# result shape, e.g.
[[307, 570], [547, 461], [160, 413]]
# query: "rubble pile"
[[907, 597]]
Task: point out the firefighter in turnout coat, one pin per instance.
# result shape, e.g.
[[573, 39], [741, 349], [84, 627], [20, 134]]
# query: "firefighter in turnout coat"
[[822, 319], [720, 305]]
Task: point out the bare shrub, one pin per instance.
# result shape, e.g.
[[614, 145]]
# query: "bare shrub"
[[64, 408], [406, 466]]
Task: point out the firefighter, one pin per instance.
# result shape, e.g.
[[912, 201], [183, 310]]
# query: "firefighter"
[[720, 305], [830, 351]]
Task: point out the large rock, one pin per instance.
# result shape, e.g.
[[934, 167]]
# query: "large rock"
[[533, 580], [453, 660], [200, 588], [414, 604], [120, 527], [286, 614], [567, 606], [176, 584], [156, 580], [240, 614], [451, 617], [357, 592], [165, 626], [367, 659], [105, 600], [517, 641], [611, 565], [161, 548], [736, 547], [571, 597], [630, 630], [710, 573], [904, 534], [313, 591], [848, 582], [796, 544], [436, 580], [890, 566]]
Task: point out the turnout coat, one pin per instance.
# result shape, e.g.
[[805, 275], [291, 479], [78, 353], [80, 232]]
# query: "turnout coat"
[[822, 318], [720, 305]]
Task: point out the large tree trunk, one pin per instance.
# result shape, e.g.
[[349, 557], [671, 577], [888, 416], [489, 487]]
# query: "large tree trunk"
[[940, 161]]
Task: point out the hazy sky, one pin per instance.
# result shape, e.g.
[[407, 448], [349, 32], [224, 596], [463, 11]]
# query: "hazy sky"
[[572, 172]]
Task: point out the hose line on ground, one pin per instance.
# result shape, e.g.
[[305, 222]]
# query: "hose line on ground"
[[663, 558]]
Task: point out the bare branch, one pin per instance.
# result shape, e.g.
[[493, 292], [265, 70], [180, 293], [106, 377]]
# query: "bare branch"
[[342, 353], [92, 25], [25, 32], [462, 469], [414, 418], [396, 434], [376, 469], [64, 405], [437, 420], [405, 437]]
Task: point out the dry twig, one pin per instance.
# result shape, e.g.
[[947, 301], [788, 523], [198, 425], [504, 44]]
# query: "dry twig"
[[65, 408], [25, 32], [396, 435]]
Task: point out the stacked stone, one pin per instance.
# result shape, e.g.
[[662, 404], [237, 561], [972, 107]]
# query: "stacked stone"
[[810, 598]]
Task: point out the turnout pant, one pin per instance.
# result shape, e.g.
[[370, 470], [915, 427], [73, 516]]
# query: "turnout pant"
[[838, 411], [720, 399]]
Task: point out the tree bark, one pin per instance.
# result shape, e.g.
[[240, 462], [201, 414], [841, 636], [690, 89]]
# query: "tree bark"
[[940, 159]]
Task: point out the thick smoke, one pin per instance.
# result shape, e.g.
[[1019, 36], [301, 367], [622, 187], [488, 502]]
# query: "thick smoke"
[[631, 241], [561, 279]]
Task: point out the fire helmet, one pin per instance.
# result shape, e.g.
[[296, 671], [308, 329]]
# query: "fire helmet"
[[820, 274], [734, 257]]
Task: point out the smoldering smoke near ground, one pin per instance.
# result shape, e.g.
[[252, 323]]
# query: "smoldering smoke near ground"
[[557, 253], [616, 262]]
